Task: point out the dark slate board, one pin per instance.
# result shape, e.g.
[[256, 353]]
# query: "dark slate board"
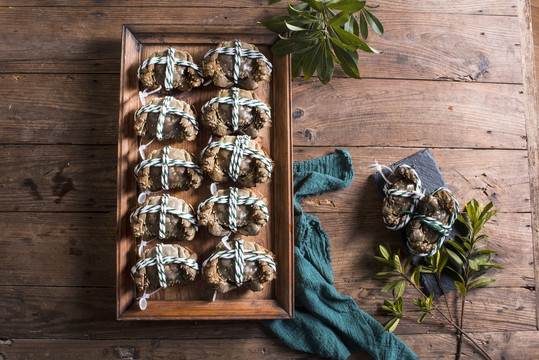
[[431, 179]]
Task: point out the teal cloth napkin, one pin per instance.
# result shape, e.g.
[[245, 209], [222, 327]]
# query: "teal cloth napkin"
[[327, 323]]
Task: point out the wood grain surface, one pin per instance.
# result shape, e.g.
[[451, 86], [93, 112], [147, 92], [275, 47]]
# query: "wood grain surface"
[[457, 77]]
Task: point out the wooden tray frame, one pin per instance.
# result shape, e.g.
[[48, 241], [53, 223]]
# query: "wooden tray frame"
[[134, 37]]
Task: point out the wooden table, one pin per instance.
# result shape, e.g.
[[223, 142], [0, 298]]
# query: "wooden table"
[[457, 77]]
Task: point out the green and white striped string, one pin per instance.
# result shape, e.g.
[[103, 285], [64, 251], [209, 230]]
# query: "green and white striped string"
[[236, 101], [239, 149], [237, 156], [443, 229], [171, 61], [160, 261], [163, 210], [165, 162], [241, 256], [163, 110], [233, 200], [415, 195], [238, 52]]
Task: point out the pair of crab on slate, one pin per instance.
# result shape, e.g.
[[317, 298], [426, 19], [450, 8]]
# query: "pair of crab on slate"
[[236, 115], [428, 218]]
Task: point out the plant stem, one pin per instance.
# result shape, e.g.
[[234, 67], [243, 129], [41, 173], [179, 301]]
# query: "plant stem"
[[443, 292], [459, 338], [447, 320]]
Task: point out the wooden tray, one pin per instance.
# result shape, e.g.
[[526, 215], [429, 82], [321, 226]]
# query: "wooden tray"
[[192, 301]]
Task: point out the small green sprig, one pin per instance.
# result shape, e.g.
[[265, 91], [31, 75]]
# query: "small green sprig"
[[464, 257], [320, 33]]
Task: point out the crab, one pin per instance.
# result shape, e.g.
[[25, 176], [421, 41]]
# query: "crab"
[[220, 68], [176, 127], [441, 205], [147, 278], [216, 162], [146, 225], [179, 177], [184, 78], [220, 274], [218, 117], [250, 218], [395, 209]]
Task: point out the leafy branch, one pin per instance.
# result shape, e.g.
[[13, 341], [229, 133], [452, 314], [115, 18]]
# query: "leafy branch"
[[463, 257], [320, 33]]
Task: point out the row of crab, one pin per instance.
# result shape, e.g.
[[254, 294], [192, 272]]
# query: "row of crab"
[[236, 115], [427, 218]]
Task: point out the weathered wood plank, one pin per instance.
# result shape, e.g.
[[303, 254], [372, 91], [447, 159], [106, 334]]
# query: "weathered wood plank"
[[477, 7], [416, 46], [488, 175], [88, 313], [499, 345], [408, 113], [82, 108], [81, 178], [58, 178], [78, 249], [75, 249], [532, 126], [73, 109]]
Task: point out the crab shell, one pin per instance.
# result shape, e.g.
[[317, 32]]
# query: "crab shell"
[[250, 218], [147, 224], [176, 127], [216, 161], [220, 68], [184, 78], [219, 273], [422, 238], [179, 177], [402, 178], [148, 278], [218, 117]]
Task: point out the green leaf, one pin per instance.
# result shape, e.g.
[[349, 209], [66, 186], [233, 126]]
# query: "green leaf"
[[296, 65], [456, 258], [443, 262], [347, 5], [391, 325], [385, 275], [301, 14], [276, 24], [456, 246], [311, 62], [352, 39], [294, 27], [384, 261], [340, 44], [421, 318], [416, 277], [384, 252], [351, 25], [285, 45], [407, 264], [348, 61], [480, 283], [399, 289], [317, 5], [397, 263], [326, 65], [462, 289], [363, 26], [390, 286], [375, 24], [473, 264], [339, 20]]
